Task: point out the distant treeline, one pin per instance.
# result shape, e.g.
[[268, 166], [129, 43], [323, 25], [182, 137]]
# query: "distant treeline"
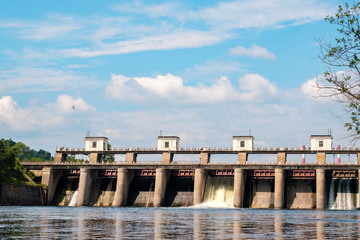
[[26, 154]]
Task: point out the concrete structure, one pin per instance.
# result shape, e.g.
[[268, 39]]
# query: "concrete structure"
[[239, 187], [50, 178], [85, 183], [199, 185], [96, 143], [243, 143], [321, 142], [168, 143], [320, 189], [279, 188], [166, 183], [161, 179], [21, 195], [124, 178]]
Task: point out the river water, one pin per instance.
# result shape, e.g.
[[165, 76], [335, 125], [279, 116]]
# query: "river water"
[[175, 223]]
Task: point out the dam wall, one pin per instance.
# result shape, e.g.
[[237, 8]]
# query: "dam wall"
[[278, 185], [21, 195]]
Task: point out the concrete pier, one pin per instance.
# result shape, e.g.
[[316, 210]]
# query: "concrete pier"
[[130, 157], [124, 178], [242, 158], [279, 188], [321, 158], [167, 157], [85, 182], [50, 178], [281, 158], [199, 185], [60, 157], [239, 187], [160, 186], [320, 188], [94, 157], [204, 158]]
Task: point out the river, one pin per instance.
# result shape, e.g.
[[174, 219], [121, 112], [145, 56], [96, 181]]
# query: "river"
[[175, 223]]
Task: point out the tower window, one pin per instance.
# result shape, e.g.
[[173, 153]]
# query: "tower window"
[[94, 144], [242, 143], [321, 143], [167, 144]]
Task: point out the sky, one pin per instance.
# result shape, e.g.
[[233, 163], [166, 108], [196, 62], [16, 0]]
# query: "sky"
[[131, 70]]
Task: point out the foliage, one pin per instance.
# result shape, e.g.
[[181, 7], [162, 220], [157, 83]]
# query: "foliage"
[[109, 158], [11, 169], [344, 54], [25, 154], [72, 159]]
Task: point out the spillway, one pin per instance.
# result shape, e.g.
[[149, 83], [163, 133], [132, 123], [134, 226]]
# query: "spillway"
[[343, 194], [219, 192]]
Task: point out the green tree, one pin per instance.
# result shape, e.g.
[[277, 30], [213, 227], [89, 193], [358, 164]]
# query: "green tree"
[[343, 53], [109, 158], [11, 169]]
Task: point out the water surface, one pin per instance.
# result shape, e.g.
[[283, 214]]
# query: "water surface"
[[175, 223]]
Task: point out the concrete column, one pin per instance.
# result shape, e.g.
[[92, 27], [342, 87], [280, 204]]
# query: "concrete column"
[[167, 157], [358, 204], [358, 159], [85, 182], [130, 157], [242, 158], [199, 185], [160, 186], [50, 178], [321, 158], [281, 158], [320, 188], [279, 188], [124, 178], [239, 187], [204, 158], [94, 157], [60, 157]]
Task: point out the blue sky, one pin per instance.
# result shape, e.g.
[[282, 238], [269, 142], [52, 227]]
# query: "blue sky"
[[128, 69]]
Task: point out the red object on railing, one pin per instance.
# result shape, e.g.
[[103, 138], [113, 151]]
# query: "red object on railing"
[[262, 173], [184, 173]]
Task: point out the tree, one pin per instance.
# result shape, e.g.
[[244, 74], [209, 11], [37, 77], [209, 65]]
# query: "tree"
[[344, 54], [109, 158], [11, 169]]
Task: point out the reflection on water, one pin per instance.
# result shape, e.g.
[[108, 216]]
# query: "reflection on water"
[[175, 223]]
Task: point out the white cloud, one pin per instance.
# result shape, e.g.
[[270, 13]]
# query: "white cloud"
[[23, 119], [55, 27], [320, 89], [162, 41], [254, 51], [34, 79], [50, 115], [169, 9], [263, 14], [163, 27], [252, 87], [69, 104]]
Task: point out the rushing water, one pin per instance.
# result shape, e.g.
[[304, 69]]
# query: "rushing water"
[[219, 191], [175, 223], [343, 194]]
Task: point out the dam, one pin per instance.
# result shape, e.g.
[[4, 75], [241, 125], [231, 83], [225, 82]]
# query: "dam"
[[167, 183]]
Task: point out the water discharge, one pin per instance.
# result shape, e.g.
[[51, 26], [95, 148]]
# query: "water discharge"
[[74, 198], [219, 193], [342, 194]]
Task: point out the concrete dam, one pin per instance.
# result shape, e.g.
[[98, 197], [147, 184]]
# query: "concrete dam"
[[320, 185]]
